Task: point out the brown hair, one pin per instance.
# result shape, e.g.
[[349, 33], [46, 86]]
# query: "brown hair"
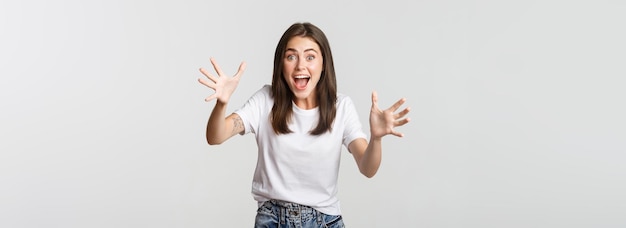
[[326, 88]]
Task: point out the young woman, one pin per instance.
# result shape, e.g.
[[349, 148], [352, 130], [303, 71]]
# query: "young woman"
[[300, 123]]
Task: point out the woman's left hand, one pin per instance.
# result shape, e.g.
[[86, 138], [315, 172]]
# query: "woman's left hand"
[[384, 122]]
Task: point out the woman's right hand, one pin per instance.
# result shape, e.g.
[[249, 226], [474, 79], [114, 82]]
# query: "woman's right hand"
[[223, 85]]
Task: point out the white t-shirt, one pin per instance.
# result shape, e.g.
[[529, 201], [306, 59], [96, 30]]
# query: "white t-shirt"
[[298, 167]]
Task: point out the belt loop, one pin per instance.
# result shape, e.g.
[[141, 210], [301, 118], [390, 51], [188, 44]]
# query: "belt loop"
[[319, 217], [281, 215]]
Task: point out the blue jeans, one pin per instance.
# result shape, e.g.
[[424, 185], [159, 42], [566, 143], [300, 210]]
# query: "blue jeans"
[[281, 214]]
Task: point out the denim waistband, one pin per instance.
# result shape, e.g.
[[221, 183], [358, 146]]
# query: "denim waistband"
[[289, 210]]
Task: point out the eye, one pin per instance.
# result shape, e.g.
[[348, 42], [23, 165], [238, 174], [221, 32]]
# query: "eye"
[[291, 57], [310, 57]]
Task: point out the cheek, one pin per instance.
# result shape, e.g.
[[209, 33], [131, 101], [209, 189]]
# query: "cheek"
[[317, 67], [287, 68]]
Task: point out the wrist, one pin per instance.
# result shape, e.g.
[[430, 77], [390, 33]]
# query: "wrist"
[[375, 138], [220, 103]]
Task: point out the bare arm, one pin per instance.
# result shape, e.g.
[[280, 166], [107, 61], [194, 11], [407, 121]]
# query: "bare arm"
[[367, 155], [220, 128], [382, 122]]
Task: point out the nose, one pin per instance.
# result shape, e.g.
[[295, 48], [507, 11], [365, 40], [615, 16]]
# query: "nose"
[[301, 64]]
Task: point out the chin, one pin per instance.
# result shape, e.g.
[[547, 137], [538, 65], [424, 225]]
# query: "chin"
[[302, 94]]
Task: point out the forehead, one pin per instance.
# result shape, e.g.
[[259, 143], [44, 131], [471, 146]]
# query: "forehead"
[[300, 43]]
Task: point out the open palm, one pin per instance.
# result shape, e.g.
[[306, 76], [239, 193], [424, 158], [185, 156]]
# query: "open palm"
[[223, 84], [383, 122]]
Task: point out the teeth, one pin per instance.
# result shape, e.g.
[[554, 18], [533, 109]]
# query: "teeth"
[[302, 76]]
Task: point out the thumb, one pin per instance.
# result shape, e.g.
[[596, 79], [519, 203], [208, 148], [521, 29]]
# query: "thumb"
[[374, 99]]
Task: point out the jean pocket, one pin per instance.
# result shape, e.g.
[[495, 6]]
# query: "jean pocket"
[[265, 208], [333, 221]]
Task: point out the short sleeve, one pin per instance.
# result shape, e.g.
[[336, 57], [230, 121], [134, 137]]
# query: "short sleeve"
[[250, 113], [352, 128]]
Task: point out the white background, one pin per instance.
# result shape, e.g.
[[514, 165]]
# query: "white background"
[[517, 110]]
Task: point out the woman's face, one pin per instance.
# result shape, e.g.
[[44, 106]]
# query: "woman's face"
[[303, 65]]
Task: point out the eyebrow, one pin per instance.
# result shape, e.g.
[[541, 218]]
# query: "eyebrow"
[[294, 50]]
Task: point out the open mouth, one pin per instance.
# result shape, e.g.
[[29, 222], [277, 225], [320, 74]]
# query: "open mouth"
[[301, 81]]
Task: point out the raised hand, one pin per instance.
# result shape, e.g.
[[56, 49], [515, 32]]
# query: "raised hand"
[[383, 122], [223, 84]]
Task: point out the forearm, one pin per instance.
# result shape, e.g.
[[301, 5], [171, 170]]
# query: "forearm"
[[216, 131], [370, 161]]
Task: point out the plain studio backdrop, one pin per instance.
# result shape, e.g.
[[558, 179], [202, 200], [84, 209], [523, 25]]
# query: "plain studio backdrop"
[[517, 111]]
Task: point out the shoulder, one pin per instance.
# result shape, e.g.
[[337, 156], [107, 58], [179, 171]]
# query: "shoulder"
[[344, 104], [260, 98], [265, 89], [347, 112], [264, 92], [343, 100]]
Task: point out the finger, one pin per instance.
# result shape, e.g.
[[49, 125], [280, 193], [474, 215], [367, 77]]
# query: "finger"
[[397, 134], [397, 105], [208, 75], [209, 98], [217, 67], [402, 113], [207, 84], [242, 68], [401, 122]]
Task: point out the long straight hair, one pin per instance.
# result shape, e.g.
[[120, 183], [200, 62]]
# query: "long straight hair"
[[326, 88]]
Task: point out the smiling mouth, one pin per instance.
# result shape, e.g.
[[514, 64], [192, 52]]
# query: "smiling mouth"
[[301, 81]]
